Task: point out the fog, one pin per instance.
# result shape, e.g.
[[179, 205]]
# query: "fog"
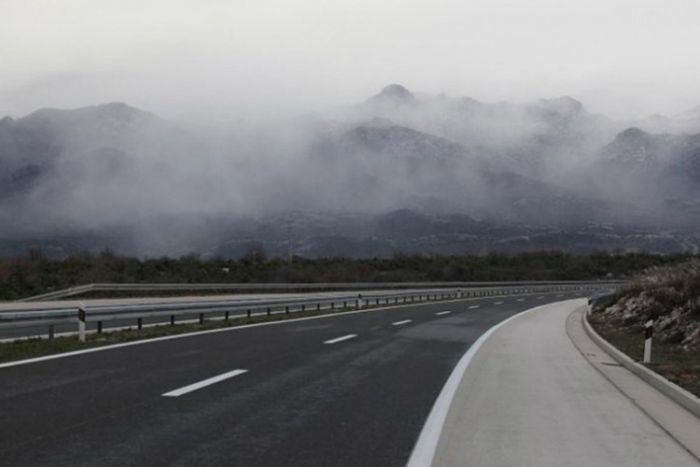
[[218, 61], [167, 127]]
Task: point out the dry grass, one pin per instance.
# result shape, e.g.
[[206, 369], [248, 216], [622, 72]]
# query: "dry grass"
[[671, 361]]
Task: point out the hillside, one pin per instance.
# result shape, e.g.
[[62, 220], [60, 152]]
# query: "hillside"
[[399, 172]]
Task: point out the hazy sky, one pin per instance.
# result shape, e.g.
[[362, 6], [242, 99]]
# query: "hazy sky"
[[221, 60]]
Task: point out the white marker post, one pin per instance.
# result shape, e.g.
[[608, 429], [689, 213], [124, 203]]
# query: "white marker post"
[[648, 335], [81, 322]]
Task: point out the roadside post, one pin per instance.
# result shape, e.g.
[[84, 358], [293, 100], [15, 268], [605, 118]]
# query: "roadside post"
[[648, 336], [81, 322]]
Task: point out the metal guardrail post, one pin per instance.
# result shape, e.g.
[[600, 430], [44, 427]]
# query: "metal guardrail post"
[[139, 323]]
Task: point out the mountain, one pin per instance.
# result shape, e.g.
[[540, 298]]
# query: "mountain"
[[667, 157], [398, 172], [687, 122], [393, 96]]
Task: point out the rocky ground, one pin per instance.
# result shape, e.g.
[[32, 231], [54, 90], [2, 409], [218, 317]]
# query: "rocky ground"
[[670, 296]]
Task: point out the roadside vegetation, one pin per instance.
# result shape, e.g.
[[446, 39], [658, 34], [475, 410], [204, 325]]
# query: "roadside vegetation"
[[671, 297], [34, 273]]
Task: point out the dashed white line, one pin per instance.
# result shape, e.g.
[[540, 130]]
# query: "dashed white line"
[[520, 300], [473, 306], [498, 303], [340, 339], [440, 313], [399, 323], [207, 382]]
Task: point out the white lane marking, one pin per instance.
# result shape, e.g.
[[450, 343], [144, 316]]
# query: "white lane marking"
[[473, 306], [498, 303], [424, 450], [520, 300], [560, 295], [440, 313], [340, 339], [185, 335], [399, 323], [204, 383]]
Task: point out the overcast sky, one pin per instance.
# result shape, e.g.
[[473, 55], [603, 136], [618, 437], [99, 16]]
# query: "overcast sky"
[[223, 60]]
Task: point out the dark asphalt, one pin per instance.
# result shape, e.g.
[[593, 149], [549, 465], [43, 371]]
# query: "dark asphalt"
[[360, 402]]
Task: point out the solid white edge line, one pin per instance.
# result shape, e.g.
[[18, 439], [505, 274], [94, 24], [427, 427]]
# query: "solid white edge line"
[[440, 313], [426, 446], [399, 323], [340, 339], [204, 383]]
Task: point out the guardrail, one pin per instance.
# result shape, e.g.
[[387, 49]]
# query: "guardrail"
[[207, 309], [285, 287]]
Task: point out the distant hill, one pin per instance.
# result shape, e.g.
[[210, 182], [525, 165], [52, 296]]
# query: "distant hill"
[[400, 171]]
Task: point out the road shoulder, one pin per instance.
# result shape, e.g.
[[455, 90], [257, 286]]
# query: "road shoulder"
[[529, 398], [678, 422]]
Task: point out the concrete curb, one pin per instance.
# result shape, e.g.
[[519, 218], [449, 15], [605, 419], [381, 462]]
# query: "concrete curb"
[[671, 390]]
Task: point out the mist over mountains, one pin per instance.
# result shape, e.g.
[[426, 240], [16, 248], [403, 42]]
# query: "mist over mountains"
[[399, 172]]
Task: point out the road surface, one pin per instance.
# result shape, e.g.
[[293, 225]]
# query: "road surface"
[[347, 390]]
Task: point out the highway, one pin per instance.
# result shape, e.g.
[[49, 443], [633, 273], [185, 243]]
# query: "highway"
[[346, 390]]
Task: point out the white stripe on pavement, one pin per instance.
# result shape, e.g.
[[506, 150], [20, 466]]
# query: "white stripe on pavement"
[[473, 306], [399, 323], [207, 382], [443, 313], [498, 303], [520, 300], [340, 339]]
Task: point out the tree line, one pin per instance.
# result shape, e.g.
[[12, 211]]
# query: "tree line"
[[34, 273]]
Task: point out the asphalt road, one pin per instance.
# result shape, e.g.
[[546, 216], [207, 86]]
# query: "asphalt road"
[[358, 400]]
